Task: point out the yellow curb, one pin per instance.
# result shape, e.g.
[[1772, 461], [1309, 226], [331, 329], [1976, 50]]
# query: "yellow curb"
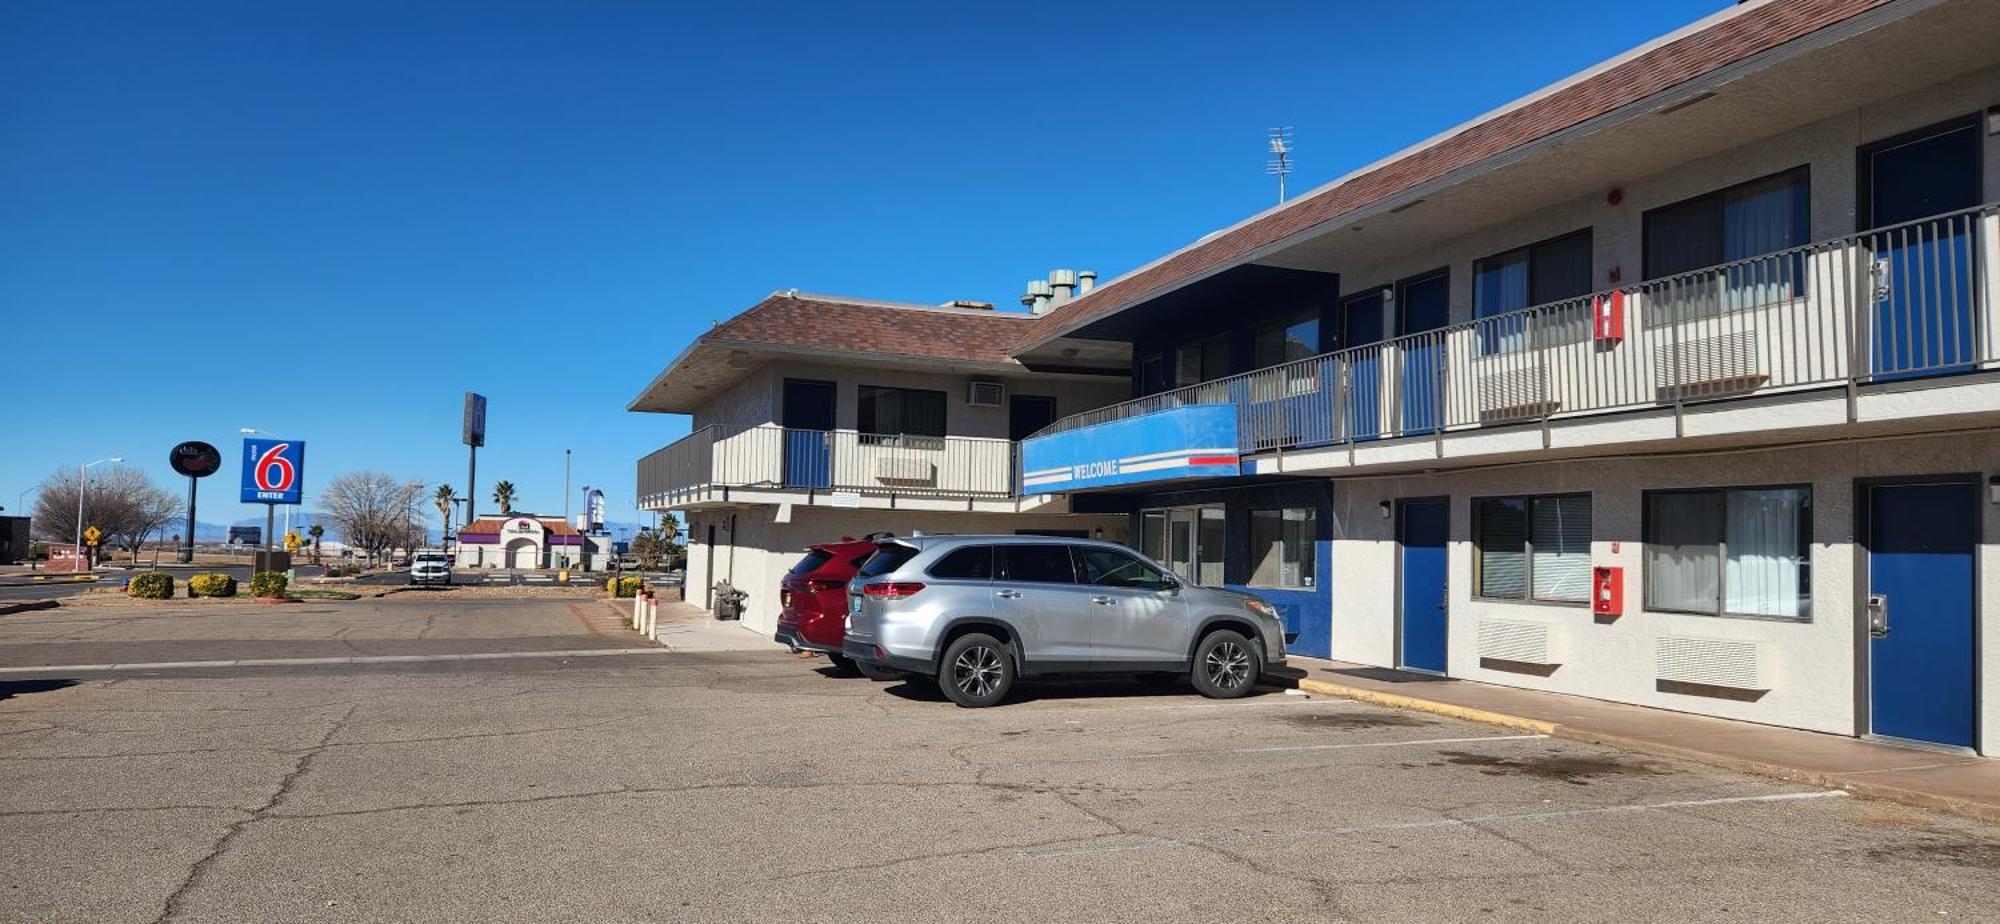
[[1397, 701]]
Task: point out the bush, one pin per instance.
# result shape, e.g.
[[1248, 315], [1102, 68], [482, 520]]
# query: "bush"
[[211, 585], [152, 585], [267, 585], [624, 587]]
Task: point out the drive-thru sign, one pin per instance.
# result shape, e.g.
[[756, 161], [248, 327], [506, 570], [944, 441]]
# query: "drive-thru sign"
[[273, 470]]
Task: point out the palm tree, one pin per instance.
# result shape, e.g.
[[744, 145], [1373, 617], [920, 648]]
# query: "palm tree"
[[315, 531], [442, 498], [503, 494]]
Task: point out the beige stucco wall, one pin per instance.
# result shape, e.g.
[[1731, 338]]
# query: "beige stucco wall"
[[1812, 664], [759, 397], [762, 549]]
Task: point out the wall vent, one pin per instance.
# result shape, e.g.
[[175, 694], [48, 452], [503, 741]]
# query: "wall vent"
[[1717, 662], [1517, 640], [985, 394]]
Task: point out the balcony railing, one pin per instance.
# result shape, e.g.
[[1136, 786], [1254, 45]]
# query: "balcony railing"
[[716, 459], [1912, 300]]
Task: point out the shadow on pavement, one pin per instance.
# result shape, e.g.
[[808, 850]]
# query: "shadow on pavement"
[[12, 688]]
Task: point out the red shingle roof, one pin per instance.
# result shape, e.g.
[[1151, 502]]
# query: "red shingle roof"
[[817, 322], [491, 526], [1657, 69]]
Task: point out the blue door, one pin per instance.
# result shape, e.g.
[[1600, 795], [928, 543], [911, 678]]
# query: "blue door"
[[1925, 284], [1361, 327], [1425, 618], [1423, 306], [1922, 662], [808, 422]]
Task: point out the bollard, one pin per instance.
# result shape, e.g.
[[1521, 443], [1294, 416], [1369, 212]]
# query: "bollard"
[[638, 609], [652, 617]]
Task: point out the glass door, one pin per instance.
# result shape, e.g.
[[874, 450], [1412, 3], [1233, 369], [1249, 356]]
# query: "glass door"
[[1188, 540]]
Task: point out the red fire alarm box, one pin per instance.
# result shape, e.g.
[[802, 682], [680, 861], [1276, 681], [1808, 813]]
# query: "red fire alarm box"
[[1607, 591], [1608, 316]]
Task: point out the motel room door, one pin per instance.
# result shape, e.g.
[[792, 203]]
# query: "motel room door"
[[1924, 278], [1923, 667], [1423, 306], [1422, 594], [808, 423]]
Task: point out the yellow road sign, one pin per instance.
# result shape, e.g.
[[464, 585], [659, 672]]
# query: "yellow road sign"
[[291, 542], [92, 534]]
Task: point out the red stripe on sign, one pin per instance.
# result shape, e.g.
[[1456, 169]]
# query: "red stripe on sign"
[[1211, 460]]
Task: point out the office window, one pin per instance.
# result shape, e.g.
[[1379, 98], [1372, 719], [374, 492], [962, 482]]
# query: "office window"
[[1202, 361], [1283, 547], [1208, 546], [1526, 277], [1153, 374], [1532, 548], [1748, 220], [901, 416], [1734, 552], [1153, 534], [1284, 340], [1046, 564]]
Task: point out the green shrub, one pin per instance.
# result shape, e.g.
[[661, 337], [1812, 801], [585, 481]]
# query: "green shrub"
[[624, 587], [152, 585], [266, 585], [211, 585]]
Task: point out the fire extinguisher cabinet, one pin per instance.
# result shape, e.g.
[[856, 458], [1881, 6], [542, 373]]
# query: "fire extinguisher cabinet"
[[1607, 591]]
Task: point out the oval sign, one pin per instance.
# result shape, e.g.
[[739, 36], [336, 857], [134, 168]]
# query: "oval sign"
[[195, 459]]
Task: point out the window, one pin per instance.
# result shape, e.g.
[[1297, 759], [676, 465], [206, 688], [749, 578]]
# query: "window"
[[1735, 224], [887, 558], [1153, 374], [811, 562], [1046, 564], [1111, 568], [1532, 548], [972, 563], [1283, 547], [1361, 319], [1153, 534], [1202, 361], [1208, 546], [1525, 277], [1283, 341], [1737, 552], [901, 417]]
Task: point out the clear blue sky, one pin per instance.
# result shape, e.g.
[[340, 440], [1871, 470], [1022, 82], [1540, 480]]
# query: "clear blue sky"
[[329, 220]]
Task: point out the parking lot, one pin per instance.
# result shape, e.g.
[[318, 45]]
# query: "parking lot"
[[423, 757]]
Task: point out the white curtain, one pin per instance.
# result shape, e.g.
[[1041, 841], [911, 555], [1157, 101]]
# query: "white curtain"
[[1562, 548], [1765, 570], [1684, 532]]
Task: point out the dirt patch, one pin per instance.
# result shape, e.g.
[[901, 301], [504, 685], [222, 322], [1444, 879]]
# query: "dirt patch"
[[1964, 853], [1344, 721], [1576, 771]]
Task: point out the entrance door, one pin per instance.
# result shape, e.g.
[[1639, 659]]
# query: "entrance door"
[[1922, 661], [1925, 282], [1361, 326], [1421, 530], [1194, 539], [1423, 305], [1028, 413], [808, 423]]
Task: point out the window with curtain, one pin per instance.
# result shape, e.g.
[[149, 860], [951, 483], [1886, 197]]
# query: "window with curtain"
[[1283, 547], [1533, 548], [1202, 361], [1525, 277], [1763, 216], [1283, 341], [900, 416], [1733, 552]]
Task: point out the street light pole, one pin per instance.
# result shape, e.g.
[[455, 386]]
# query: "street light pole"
[[80, 483], [566, 521]]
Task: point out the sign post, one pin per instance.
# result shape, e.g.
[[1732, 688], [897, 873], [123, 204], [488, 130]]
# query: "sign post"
[[473, 434], [196, 460], [273, 473]]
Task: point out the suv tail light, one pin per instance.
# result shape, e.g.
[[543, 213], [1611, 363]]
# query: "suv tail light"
[[819, 586], [892, 589]]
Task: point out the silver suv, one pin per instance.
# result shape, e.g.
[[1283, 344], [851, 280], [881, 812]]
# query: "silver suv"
[[975, 612]]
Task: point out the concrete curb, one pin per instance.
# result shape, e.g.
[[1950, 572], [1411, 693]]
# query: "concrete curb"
[[1982, 811]]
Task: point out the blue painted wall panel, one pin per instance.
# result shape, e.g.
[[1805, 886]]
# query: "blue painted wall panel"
[[1196, 441]]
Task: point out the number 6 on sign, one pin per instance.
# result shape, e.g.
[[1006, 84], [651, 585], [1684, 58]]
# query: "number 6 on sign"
[[273, 471]]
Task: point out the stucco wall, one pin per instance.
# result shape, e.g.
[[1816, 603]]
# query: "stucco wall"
[[1812, 663], [758, 398], [763, 550]]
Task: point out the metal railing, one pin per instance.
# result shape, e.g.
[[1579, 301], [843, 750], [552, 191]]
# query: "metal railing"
[[1910, 300], [748, 456]]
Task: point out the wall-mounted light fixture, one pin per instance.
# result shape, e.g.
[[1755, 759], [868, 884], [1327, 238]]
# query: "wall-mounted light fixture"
[[1387, 510]]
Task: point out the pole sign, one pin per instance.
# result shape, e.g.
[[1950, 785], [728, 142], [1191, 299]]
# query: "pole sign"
[[473, 432], [195, 459], [273, 470]]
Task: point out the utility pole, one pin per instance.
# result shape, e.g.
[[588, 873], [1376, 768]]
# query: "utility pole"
[[80, 482], [566, 521], [1280, 164]]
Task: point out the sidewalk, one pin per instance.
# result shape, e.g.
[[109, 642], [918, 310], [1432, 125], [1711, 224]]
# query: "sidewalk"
[[1966, 785], [685, 627]]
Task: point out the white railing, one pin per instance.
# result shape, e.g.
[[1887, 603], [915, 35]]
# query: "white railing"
[[1915, 299], [728, 456]]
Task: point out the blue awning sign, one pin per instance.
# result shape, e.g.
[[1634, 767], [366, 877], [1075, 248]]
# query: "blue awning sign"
[[1195, 441]]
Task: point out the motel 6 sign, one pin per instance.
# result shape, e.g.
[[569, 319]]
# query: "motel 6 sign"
[[273, 470]]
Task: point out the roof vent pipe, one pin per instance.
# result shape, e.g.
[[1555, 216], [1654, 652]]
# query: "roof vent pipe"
[[1063, 282], [1038, 296], [1086, 280]]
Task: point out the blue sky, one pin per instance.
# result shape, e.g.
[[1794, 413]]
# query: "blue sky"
[[330, 220]]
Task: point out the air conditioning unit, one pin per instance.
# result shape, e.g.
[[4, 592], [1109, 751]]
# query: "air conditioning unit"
[[985, 394]]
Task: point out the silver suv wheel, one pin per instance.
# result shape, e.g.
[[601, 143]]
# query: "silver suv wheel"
[[1225, 666], [977, 670]]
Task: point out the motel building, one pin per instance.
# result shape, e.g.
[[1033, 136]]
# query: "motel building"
[[1675, 383], [524, 541]]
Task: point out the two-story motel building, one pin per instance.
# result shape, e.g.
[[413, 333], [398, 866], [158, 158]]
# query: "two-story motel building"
[[1676, 383]]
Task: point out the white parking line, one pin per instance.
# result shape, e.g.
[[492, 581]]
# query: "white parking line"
[[1165, 843], [308, 662], [1281, 749]]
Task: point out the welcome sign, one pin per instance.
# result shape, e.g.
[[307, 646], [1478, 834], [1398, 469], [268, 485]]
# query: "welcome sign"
[[1195, 441]]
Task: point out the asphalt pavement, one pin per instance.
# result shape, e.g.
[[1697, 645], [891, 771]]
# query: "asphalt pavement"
[[530, 760]]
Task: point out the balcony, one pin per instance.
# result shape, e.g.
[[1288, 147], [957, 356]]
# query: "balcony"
[[1899, 303], [725, 463]]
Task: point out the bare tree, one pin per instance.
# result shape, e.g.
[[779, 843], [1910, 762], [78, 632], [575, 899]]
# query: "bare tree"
[[121, 502], [374, 511]]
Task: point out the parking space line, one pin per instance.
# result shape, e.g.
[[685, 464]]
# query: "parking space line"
[[1166, 843], [1279, 749]]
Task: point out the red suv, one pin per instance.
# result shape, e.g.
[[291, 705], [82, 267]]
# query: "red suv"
[[813, 598]]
